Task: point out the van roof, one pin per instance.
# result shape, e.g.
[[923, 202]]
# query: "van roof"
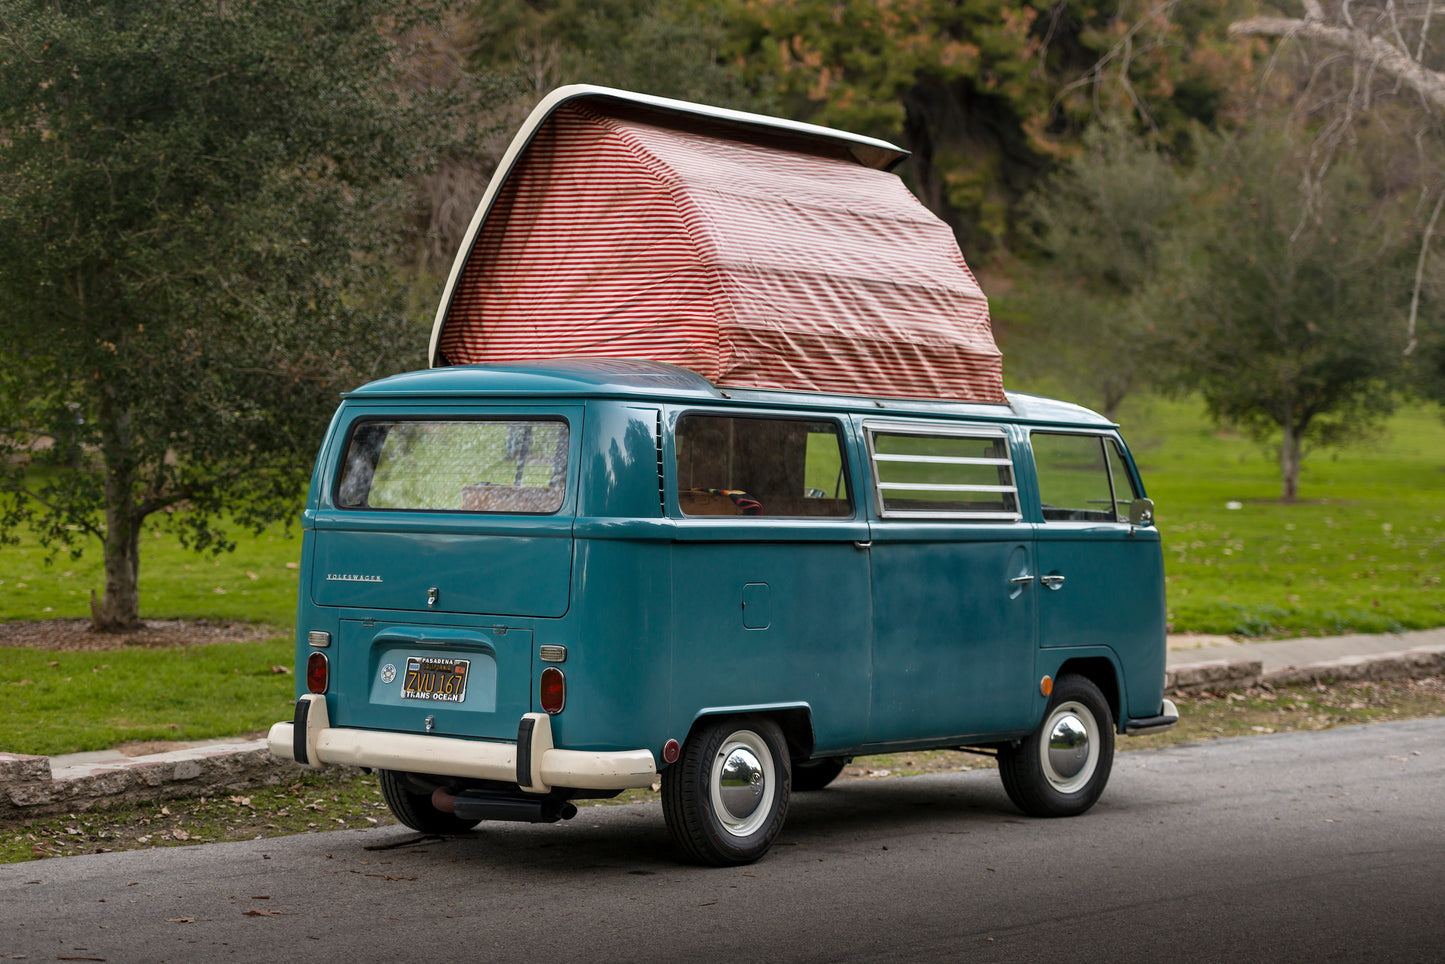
[[657, 381]]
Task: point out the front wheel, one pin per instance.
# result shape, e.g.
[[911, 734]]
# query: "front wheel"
[[726, 798], [1061, 768]]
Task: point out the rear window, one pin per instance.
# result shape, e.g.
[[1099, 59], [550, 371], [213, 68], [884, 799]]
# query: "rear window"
[[475, 465]]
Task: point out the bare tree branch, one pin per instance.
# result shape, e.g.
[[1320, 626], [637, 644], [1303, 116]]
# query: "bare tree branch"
[[1420, 273], [1395, 62]]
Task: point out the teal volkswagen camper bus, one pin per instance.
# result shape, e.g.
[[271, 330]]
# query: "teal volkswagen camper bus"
[[527, 581]]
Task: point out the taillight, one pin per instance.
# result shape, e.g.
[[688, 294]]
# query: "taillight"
[[552, 689], [317, 672]]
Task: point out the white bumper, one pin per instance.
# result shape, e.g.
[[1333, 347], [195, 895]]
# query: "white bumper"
[[544, 766]]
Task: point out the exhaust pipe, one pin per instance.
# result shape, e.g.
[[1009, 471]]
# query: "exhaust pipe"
[[517, 809]]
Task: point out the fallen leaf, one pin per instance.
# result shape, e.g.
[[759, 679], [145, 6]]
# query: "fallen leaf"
[[262, 913], [281, 670], [180, 920]]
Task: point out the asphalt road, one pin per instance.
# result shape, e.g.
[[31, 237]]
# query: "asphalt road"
[[1292, 847]]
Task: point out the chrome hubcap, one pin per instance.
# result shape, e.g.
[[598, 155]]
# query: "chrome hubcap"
[[1068, 746], [1070, 751], [741, 784]]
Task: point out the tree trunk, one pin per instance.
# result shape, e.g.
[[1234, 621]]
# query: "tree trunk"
[[1289, 465], [119, 609]]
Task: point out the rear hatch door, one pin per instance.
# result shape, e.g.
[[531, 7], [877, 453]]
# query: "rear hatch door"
[[441, 536]]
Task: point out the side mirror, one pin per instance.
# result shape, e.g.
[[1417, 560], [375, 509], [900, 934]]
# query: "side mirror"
[[1141, 512]]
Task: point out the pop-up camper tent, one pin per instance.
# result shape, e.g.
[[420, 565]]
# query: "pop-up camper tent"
[[757, 252]]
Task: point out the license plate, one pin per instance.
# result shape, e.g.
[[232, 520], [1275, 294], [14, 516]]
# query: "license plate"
[[428, 678]]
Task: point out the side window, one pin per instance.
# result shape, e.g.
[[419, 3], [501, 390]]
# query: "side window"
[[921, 473], [736, 466], [1082, 478], [480, 465]]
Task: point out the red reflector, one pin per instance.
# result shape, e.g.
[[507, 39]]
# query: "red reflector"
[[317, 672], [552, 689]]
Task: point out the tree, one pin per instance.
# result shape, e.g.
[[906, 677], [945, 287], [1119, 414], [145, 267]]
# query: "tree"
[[197, 203], [1101, 222], [1376, 61], [1285, 307]]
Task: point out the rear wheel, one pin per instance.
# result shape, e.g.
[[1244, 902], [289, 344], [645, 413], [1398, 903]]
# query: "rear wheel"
[[413, 806], [817, 774], [727, 796], [1061, 768]]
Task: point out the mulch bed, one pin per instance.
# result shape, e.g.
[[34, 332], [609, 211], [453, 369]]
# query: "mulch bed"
[[71, 635]]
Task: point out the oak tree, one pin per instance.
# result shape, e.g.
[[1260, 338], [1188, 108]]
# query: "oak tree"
[[1283, 310], [198, 199]]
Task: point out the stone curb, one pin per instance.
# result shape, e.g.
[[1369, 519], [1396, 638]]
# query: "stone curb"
[[1218, 674], [1230, 674], [1405, 663], [30, 787]]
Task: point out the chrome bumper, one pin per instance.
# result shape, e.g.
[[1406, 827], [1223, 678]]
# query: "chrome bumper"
[[533, 763]]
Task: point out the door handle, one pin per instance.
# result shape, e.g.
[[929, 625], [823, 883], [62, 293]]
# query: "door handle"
[[1023, 580], [864, 546], [1053, 581]]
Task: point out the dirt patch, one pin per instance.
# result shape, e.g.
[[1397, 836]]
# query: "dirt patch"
[[75, 634]]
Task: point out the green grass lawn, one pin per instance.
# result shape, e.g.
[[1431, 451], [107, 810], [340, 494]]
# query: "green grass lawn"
[[1364, 551], [64, 702], [256, 583]]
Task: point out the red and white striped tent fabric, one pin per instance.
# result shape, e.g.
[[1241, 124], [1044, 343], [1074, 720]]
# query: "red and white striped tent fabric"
[[758, 253]]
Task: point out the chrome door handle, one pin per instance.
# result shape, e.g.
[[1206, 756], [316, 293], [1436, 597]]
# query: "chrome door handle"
[[1053, 581], [1023, 580], [865, 546]]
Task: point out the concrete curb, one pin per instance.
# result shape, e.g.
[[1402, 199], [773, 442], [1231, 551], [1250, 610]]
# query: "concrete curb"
[[36, 786]]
